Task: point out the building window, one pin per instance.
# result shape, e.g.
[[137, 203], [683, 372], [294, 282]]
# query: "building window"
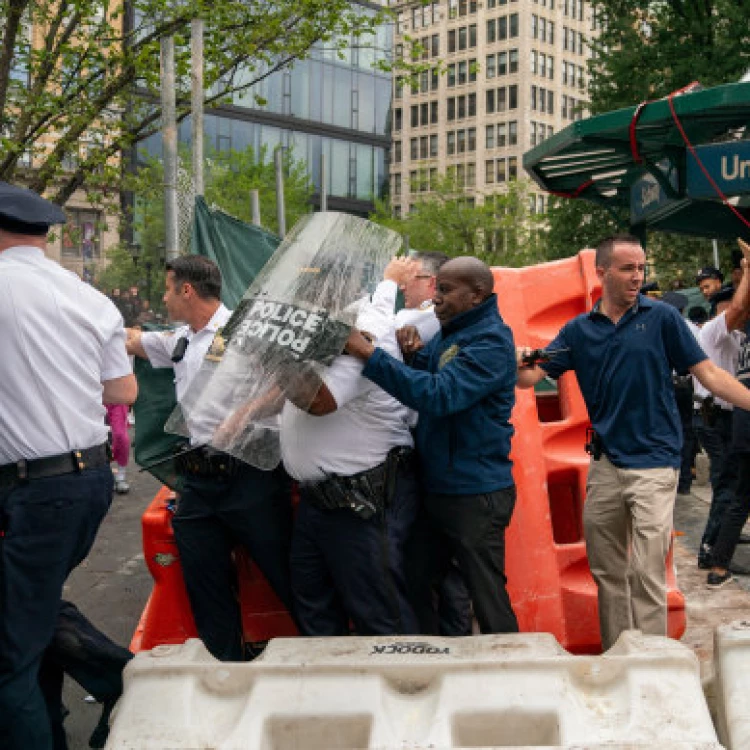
[[489, 171], [415, 116], [513, 133], [501, 134], [81, 236], [423, 141], [461, 111], [424, 113], [433, 146], [491, 31], [450, 142], [461, 141], [396, 152], [397, 119], [512, 167], [433, 113], [489, 106], [462, 38], [435, 45], [452, 41], [513, 97], [413, 149], [502, 63], [472, 105], [471, 139], [500, 171], [472, 36], [534, 61], [471, 174], [513, 61], [397, 185], [451, 73], [489, 136], [472, 70], [462, 72], [489, 68], [451, 108]]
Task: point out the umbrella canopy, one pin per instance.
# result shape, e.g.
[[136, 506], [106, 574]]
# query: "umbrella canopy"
[[637, 162]]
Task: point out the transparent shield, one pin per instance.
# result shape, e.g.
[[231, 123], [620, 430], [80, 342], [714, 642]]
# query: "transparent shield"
[[290, 324]]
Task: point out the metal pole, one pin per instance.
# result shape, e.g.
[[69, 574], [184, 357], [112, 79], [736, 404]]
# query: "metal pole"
[[255, 207], [196, 78], [280, 212], [169, 137], [716, 253], [323, 183]]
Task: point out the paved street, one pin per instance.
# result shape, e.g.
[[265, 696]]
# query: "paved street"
[[112, 586]]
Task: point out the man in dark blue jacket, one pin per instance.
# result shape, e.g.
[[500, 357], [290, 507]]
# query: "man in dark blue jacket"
[[463, 386]]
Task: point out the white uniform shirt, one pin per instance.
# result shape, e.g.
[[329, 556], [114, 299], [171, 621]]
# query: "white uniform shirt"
[[422, 318], [722, 347], [159, 346], [60, 339], [367, 423]]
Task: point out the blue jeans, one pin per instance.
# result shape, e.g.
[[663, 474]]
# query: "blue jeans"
[[717, 442], [348, 568], [49, 526], [251, 508]]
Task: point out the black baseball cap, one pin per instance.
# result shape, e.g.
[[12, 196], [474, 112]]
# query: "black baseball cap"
[[709, 272], [23, 211]]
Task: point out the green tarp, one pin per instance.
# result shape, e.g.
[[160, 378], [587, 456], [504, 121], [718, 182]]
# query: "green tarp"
[[240, 250]]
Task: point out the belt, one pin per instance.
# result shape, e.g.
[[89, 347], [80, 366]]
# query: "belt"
[[53, 466], [206, 462], [366, 493]]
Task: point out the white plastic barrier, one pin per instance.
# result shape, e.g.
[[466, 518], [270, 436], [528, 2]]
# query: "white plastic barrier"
[[497, 691], [732, 683]]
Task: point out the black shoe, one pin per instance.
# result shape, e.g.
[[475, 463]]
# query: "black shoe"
[[704, 557], [744, 539], [717, 580], [683, 490]]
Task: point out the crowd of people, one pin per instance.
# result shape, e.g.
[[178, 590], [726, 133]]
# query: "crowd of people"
[[400, 448]]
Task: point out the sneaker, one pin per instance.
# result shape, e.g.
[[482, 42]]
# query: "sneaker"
[[717, 580], [122, 487]]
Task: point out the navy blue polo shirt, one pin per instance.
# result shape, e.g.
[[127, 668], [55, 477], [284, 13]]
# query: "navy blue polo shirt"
[[624, 371]]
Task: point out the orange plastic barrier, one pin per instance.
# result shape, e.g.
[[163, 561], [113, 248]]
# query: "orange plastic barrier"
[[167, 617], [549, 580]]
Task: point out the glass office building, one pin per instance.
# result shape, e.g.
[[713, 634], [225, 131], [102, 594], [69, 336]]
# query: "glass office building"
[[323, 105]]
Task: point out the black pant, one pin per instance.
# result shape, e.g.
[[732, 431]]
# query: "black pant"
[[50, 525], [735, 516], [95, 662], [348, 568], [717, 440], [470, 528], [251, 508]]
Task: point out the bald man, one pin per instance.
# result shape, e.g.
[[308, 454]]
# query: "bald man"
[[463, 386]]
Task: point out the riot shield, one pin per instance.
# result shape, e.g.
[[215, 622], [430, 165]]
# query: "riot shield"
[[293, 320]]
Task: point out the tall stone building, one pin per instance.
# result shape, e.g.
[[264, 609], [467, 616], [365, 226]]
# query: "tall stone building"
[[514, 73]]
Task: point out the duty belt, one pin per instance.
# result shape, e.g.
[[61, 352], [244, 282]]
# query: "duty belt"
[[366, 493], [206, 462], [53, 466]]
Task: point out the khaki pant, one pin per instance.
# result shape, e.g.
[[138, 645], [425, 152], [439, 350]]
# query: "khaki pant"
[[627, 521]]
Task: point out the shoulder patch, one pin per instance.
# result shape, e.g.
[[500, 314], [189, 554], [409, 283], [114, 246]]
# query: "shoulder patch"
[[218, 346], [447, 356]]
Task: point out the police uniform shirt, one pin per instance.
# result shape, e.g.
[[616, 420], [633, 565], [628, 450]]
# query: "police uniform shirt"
[[367, 423], [160, 345], [422, 318], [723, 348], [60, 339]]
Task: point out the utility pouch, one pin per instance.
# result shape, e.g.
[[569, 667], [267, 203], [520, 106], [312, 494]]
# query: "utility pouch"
[[593, 444]]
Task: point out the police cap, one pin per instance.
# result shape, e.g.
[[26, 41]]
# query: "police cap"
[[24, 212], [709, 272]]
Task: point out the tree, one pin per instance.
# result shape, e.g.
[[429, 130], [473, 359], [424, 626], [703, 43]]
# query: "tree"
[[230, 176], [574, 225], [647, 49], [79, 79], [500, 231]]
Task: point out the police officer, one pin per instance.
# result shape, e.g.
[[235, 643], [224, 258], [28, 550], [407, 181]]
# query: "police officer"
[[224, 502], [350, 450], [63, 346]]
